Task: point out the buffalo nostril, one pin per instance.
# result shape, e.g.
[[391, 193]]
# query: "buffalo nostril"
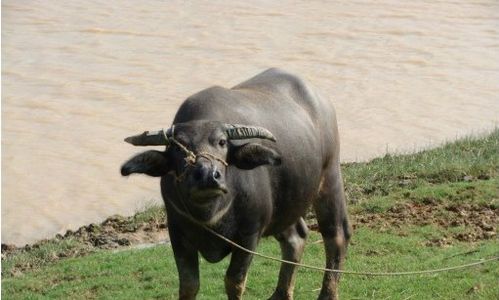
[[216, 174], [198, 174]]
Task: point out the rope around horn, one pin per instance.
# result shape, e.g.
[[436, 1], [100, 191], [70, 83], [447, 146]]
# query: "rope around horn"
[[347, 271]]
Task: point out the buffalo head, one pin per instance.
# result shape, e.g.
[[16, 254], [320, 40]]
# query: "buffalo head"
[[198, 155]]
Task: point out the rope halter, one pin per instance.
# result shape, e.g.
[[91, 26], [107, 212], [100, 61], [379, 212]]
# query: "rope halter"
[[190, 157], [166, 137]]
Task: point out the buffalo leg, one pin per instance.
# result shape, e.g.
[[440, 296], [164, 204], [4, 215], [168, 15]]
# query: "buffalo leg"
[[187, 263], [235, 277], [292, 242], [331, 212]]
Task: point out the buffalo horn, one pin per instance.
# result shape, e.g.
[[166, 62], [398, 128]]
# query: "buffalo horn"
[[149, 138], [241, 132]]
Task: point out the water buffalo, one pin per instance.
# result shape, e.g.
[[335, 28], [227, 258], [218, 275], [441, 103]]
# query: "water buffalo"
[[249, 181]]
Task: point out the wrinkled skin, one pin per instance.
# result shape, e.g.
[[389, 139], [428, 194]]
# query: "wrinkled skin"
[[266, 188]]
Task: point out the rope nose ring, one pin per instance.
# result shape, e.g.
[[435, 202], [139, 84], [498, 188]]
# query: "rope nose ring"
[[191, 158]]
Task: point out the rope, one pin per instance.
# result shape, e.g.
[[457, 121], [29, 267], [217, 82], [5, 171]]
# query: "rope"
[[346, 271], [191, 159], [190, 156], [210, 156]]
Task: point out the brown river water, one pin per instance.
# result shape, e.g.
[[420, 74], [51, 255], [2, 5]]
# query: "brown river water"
[[79, 76]]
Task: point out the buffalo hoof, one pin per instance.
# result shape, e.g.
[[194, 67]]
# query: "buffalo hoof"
[[280, 295]]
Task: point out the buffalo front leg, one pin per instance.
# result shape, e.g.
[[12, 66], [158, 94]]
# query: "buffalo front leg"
[[187, 262], [292, 242], [235, 277], [331, 212]]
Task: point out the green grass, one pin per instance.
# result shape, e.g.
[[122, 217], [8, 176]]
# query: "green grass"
[[480, 192], [151, 273], [152, 212], [469, 158], [42, 255], [464, 173]]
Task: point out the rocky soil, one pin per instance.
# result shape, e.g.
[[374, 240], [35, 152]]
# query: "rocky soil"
[[114, 233], [475, 222]]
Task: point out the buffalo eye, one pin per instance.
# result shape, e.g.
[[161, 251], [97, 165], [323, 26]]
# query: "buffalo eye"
[[222, 143]]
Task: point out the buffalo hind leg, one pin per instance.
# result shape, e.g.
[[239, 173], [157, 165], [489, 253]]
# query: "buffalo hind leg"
[[292, 242], [331, 212]]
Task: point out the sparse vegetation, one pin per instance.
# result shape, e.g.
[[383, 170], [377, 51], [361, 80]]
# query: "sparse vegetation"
[[431, 209], [144, 227]]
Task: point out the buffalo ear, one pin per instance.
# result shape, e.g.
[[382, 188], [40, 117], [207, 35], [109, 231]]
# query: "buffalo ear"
[[153, 163], [252, 155]]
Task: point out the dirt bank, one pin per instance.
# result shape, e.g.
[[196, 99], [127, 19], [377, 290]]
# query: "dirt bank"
[[471, 223]]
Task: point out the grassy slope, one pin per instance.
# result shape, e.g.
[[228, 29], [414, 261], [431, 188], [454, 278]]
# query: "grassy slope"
[[462, 173]]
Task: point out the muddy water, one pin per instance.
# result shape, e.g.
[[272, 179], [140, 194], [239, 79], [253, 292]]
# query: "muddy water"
[[78, 76]]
